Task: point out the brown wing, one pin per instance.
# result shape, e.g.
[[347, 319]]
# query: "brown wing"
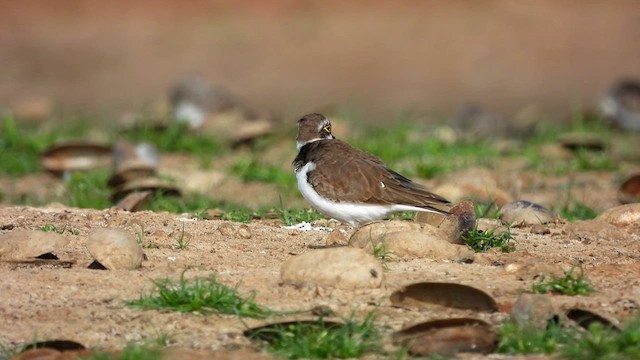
[[346, 174]]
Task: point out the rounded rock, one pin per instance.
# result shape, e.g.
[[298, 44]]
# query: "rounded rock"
[[525, 213], [115, 249], [346, 268], [25, 244], [409, 240], [624, 215]]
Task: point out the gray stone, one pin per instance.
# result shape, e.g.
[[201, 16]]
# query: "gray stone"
[[115, 249], [346, 268], [525, 213]]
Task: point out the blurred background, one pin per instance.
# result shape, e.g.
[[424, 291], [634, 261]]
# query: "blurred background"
[[292, 57]]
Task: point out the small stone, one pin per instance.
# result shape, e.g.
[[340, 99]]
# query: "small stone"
[[540, 229], [622, 216], [26, 244], [346, 268], [227, 229], [336, 238], [115, 249], [525, 213], [532, 310], [244, 231]]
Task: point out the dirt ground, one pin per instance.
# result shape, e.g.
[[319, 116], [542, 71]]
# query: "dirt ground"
[[85, 305]]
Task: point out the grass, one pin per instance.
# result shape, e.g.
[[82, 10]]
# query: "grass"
[[88, 190], [254, 170], [147, 351], [483, 240], [177, 137], [601, 342], [596, 342], [569, 284], [381, 253], [181, 242], [55, 229], [490, 210], [19, 152], [319, 340], [202, 295], [518, 339], [296, 216], [577, 211], [412, 151]]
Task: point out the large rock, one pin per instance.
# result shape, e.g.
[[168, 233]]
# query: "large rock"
[[115, 249], [408, 240], [343, 267], [26, 244], [624, 215]]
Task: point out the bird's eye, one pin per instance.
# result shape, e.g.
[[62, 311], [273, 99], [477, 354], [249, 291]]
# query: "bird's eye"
[[327, 129]]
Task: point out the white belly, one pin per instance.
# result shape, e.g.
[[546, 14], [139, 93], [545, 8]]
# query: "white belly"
[[351, 213]]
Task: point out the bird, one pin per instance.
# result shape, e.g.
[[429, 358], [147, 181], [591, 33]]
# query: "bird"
[[351, 185]]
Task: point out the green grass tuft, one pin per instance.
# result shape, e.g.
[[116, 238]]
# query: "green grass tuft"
[[296, 216], [411, 150], [203, 295], [88, 190], [601, 342], [253, 170], [517, 339], [577, 211], [595, 343], [569, 284], [480, 240], [149, 351], [319, 340], [55, 229]]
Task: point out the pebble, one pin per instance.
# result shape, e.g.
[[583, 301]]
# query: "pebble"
[[25, 244], [345, 268], [244, 231], [525, 213], [115, 249], [540, 229]]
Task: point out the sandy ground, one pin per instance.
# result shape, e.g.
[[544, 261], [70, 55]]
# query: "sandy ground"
[[59, 302]]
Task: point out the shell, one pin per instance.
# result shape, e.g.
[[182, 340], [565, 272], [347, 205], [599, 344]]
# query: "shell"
[[629, 191], [425, 294], [447, 337], [153, 184], [75, 156]]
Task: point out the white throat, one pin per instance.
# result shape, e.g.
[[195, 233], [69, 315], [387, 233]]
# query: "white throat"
[[299, 144]]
